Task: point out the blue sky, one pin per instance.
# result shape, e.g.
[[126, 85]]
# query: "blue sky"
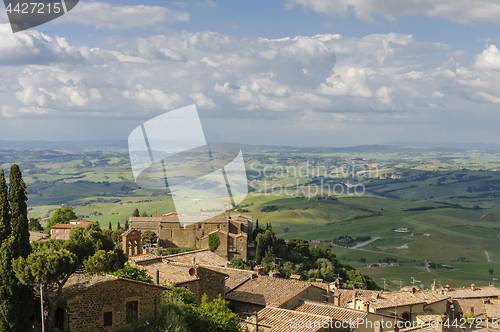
[[289, 72]]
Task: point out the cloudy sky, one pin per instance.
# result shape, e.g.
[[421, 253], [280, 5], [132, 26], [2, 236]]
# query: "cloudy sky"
[[286, 72]]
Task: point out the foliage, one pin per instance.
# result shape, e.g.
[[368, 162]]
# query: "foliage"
[[238, 263], [54, 261], [264, 240], [149, 237], [213, 241], [16, 299], [103, 261], [116, 236], [134, 273], [126, 225], [136, 213], [269, 208], [34, 225], [490, 271], [61, 216], [5, 226], [212, 316]]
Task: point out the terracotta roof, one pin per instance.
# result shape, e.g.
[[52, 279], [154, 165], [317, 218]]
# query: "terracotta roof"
[[131, 230], [486, 291], [81, 282], [335, 312], [428, 315], [235, 276], [491, 309], [347, 295], [381, 300], [267, 291], [63, 226], [280, 320], [202, 257], [169, 271], [38, 236]]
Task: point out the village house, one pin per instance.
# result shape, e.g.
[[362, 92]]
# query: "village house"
[[200, 280], [408, 306], [61, 231], [272, 319], [261, 291], [39, 236], [361, 320], [234, 232], [104, 303]]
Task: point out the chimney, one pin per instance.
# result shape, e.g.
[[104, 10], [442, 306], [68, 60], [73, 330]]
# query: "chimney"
[[319, 281], [336, 298], [259, 269], [193, 260], [447, 287], [157, 276], [473, 287], [274, 274], [157, 214], [366, 306], [433, 288], [297, 277]]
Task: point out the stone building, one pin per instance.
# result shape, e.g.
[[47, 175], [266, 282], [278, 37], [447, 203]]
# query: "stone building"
[[61, 231], [101, 303], [131, 242], [199, 279], [234, 232]]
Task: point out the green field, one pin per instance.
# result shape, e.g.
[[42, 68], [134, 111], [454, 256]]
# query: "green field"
[[449, 199]]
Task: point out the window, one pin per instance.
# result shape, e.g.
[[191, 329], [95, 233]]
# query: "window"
[[241, 248], [108, 318], [171, 233], [59, 321], [132, 310], [241, 240]]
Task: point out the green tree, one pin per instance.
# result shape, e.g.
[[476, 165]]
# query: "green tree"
[[490, 271], [118, 226], [136, 213], [238, 263], [145, 214], [34, 225], [213, 316], [134, 273], [300, 245], [61, 216], [18, 246], [109, 226], [19, 211], [213, 241], [89, 247], [148, 237], [264, 241], [126, 225], [5, 226], [35, 268]]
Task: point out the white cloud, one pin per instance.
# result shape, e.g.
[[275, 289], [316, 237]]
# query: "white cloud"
[[202, 101], [462, 11], [103, 15], [489, 59]]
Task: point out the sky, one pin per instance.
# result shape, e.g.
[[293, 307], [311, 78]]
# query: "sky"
[[286, 72]]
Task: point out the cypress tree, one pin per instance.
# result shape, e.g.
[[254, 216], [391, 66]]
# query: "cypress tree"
[[136, 213], [126, 224], [7, 277], [109, 226], [19, 211], [5, 227], [22, 296]]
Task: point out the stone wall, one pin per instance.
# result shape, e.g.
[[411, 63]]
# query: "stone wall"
[[86, 310]]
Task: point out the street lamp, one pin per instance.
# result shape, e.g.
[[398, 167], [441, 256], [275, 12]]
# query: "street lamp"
[[40, 282]]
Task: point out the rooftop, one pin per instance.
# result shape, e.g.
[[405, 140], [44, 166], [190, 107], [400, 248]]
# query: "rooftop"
[[267, 291], [479, 292], [279, 320], [335, 312]]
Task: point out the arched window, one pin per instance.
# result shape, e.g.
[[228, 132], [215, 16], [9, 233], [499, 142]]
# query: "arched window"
[[406, 316]]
